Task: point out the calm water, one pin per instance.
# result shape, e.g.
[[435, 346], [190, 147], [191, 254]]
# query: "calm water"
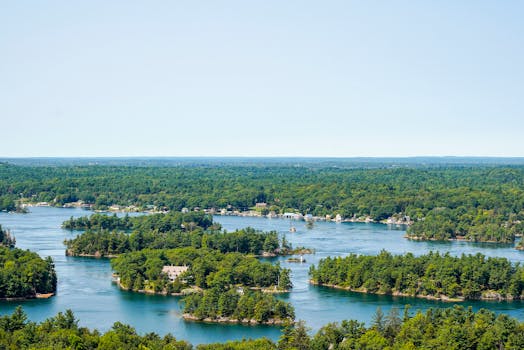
[[84, 285]]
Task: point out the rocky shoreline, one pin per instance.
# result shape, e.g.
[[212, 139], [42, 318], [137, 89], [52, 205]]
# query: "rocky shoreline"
[[485, 296], [184, 292], [97, 255], [456, 239], [229, 320], [30, 297]]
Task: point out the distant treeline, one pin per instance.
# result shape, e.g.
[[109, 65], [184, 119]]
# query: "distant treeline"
[[440, 329], [478, 203], [165, 231], [430, 275], [24, 274]]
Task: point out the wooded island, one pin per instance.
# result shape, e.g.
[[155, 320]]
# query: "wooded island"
[[431, 276]]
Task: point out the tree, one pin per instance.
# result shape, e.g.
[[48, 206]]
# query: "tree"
[[294, 336], [378, 321]]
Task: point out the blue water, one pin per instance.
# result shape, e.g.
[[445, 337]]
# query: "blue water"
[[84, 284]]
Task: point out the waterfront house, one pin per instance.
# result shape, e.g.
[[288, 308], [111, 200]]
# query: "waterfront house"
[[173, 271]]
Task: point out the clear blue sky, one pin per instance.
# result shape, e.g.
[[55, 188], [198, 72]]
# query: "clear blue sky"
[[261, 78]]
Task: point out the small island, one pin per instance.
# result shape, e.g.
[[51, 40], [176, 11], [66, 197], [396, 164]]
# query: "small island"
[[238, 305], [217, 287], [432, 276], [170, 271]]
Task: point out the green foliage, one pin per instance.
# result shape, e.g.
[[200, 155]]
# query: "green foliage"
[[165, 231], [252, 344], [162, 223], [467, 276], [472, 224], [207, 269], [24, 274], [294, 337], [6, 239], [440, 329], [479, 203], [62, 332], [241, 305]]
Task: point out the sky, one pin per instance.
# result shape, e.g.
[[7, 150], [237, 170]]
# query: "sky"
[[261, 78]]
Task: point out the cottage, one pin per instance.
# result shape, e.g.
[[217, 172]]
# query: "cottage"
[[173, 272]]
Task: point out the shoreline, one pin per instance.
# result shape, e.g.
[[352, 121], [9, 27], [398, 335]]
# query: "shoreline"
[[228, 320], [456, 239], [96, 255], [36, 296], [194, 289], [152, 292], [249, 213], [485, 296]]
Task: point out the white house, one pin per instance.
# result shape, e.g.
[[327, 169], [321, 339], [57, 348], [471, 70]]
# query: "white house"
[[173, 272]]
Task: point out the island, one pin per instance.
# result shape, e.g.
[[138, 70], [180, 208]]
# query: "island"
[[482, 225], [170, 271], [431, 276], [240, 305], [217, 287], [109, 236], [25, 275]]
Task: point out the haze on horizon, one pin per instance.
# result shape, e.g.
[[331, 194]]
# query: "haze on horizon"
[[261, 78]]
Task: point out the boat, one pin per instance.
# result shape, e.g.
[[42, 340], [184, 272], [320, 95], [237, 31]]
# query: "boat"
[[297, 260]]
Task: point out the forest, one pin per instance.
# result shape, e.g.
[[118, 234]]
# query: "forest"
[[247, 306], [142, 270], [454, 328], [24, 274], [166, 231], [482, 202], [433, 275], [159, 222]]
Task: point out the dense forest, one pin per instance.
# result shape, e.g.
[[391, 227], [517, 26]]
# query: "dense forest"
[[62, 332], [6, 238], [431, 275], [142, 270], [166, 231], [453, 328], [475, 202], [216, 305], [162, 223], [24, 274], [481, 225]]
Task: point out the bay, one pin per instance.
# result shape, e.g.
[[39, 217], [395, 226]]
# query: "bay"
[[84, 284]]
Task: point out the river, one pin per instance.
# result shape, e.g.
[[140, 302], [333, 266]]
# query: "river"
[[84, 284]]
